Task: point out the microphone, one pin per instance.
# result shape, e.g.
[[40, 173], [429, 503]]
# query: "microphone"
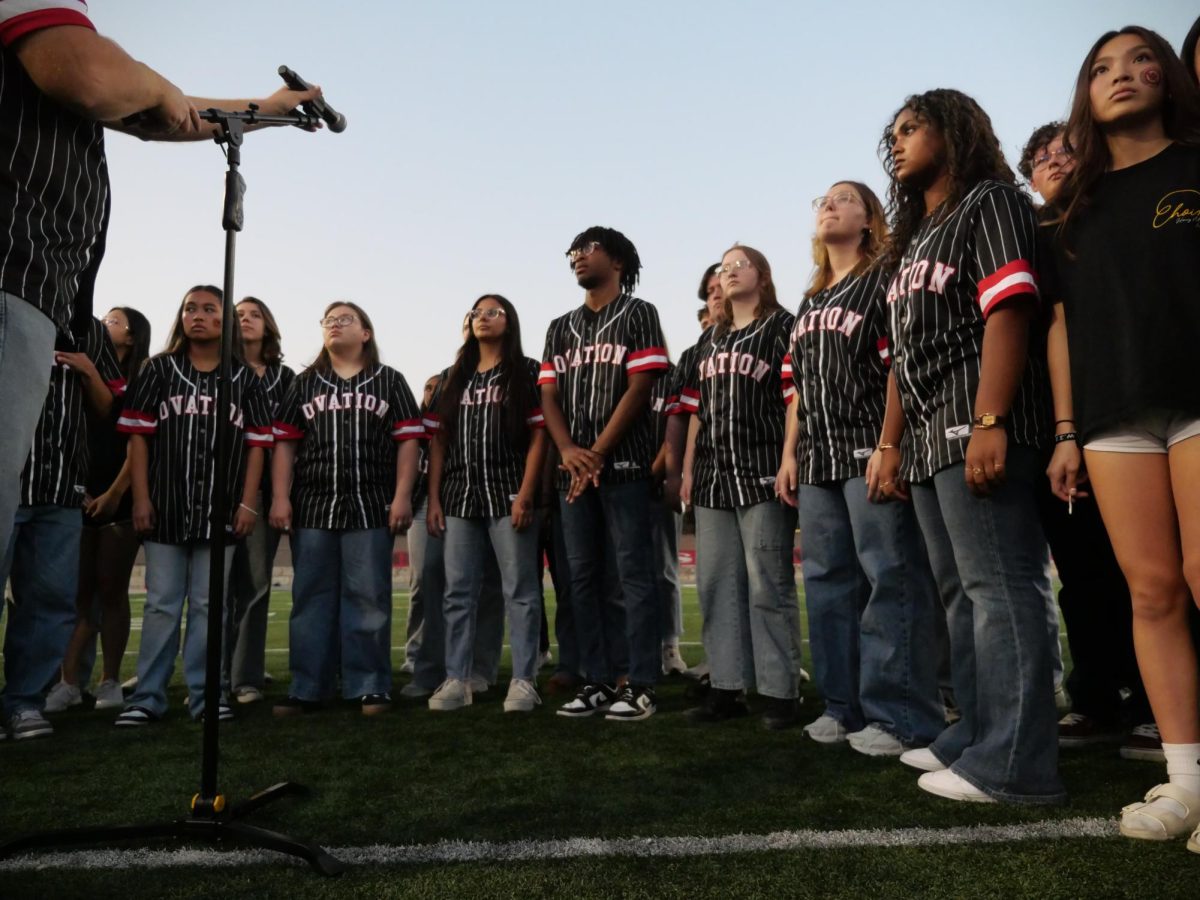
[[334, 119]]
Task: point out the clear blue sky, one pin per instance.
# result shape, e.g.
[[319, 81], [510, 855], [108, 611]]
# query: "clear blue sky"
[[484, 135]]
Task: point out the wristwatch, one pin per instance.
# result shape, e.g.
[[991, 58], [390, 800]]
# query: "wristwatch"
[[987, 420]]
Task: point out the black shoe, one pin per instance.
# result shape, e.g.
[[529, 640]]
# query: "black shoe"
[[592, 698], [719, 706], [294, 706], [698, 689], [374, 704], [634, 703], [781, 713]]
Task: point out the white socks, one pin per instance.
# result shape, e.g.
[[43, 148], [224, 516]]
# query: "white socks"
[[1183, 765]]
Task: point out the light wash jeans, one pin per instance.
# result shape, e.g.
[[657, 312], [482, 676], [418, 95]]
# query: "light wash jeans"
[[26, 356], [249, 605], [466, 541], [747, 589], [872, 609], [42, 558], [341, 609], [989, 559], [174, 573], [667, 526]]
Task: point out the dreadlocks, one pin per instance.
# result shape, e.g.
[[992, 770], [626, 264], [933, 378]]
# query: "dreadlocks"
[[973, 155], [619, 248]]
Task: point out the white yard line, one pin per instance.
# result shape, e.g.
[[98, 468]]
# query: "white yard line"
[[576, 848]]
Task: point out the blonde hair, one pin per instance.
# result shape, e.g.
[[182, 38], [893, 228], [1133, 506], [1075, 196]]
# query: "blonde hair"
[[768, 302], [874, 239]]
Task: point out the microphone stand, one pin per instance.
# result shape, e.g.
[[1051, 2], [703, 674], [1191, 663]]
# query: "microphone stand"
[[210, 818]]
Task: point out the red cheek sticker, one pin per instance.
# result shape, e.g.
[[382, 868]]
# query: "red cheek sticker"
[[1151, 76]]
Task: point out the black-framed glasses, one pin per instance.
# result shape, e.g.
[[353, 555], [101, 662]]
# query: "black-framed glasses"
[[577, 253], [489, 314], [342, 321]]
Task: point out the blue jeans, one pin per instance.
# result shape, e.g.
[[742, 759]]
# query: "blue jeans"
[[747, 588], [466, 541], [249, 605], [26, 355], [667, 526], [174, 573], [989, 558], [872, 604], [621, 513], [341, 609], [42, 557]]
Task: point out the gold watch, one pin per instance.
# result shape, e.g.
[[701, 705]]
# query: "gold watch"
[[987, 420]]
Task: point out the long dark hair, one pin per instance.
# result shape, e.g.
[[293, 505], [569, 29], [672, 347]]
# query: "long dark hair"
[[1084, 136], [874, 239], [179, 342], [973, 154], [324, 364], [272, 349], [139, 352], [1188, 54], [517, 384]]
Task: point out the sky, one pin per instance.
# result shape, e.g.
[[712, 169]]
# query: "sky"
[[482, 136]]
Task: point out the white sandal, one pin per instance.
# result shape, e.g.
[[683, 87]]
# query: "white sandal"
[[1154, 823]]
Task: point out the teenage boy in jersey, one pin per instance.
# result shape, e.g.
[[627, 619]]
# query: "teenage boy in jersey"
[[43, 551], [598, 370], [63, 84]]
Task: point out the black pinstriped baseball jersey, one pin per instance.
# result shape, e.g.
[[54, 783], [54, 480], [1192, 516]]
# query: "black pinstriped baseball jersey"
[[54, 179], [953, 274], [348, 429], [736, 388], [275, 381], [173, 404], [482, 470], [687, 364], [590, 356], [838, 363], [663, 398], [57, 469]]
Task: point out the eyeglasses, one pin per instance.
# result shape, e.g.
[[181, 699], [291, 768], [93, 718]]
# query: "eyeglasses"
[[842, 198], [1062, 154], [113, 323], [340, 321], [491, 313], [573, 256], [737, 264]]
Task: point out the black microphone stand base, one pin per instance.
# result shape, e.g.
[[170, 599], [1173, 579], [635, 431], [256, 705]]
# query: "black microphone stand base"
[[208, 825]]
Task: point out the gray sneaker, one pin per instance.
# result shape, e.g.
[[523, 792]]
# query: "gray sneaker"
[[874, 741], [414, 691], [109, 695], [29, 723], [522, 696], [453, 694], [826, 730], [62, 697]]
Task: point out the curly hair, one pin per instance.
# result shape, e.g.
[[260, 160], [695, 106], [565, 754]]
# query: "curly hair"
[[1188, 53], [1039, 140], [619, 249], [973, 154]]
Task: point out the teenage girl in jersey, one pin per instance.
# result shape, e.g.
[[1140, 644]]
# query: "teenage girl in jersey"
[[871, 598], [744, 534], [485, 465], [171, 418], [1126, 265], [342, 477]]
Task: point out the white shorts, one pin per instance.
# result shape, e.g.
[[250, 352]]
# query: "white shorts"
[[1154, 431]]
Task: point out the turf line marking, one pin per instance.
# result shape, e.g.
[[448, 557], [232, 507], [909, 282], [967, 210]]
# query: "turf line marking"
[[575, 848]]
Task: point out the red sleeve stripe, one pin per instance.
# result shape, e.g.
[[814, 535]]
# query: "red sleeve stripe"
[[785, 370], [407, 430], [259, 437], [689, 400], [535, 419], [789, 392], [117, 386], [885, 350], [431, 422], [282, 431], [21, 17], [1015, 278], [547, 375], [648, 360], [132, 422]]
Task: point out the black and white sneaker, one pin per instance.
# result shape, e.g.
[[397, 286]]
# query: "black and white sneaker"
[[134, 717], [633, 704], [592, 698]]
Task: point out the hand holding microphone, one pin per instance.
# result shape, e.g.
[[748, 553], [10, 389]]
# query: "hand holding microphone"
[[317, 105]]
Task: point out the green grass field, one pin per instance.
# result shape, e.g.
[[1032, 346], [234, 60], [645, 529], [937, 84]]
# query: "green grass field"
[[413, 777]]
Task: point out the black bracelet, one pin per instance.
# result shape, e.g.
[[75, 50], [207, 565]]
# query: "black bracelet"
[[1064, 421], [1064, 437]]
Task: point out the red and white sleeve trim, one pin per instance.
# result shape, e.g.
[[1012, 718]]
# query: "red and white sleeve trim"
[[649, 360], [21, 17], [117, 386], [535, 419], [547, 375], [134, 422], [689, 401], [282, 431], [785, 370], [1016, 278], [260, 436], [408, 429], [431, 422], [885, 351], [789, 392]]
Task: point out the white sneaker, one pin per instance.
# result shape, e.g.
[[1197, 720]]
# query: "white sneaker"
[[826, 730], [1061, 701], [479, 684], [109, 695], [953, 787], [414, 691], [697, 671], [130, 683], [545, 660], [248, 694], [874, 741], [804, 676], [62, 697], [29, 723], [407, 667], [672, 662], [922, 760], [452, 694], [522, 696]]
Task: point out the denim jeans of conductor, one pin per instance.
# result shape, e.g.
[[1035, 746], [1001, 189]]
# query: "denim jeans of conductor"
[[174, 573], [341, 598], [466, 541], [989, 559], [747, 587], [872, 604], [668, 526], [26, 356], [42, 558], [249, 605], [621, 513]]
